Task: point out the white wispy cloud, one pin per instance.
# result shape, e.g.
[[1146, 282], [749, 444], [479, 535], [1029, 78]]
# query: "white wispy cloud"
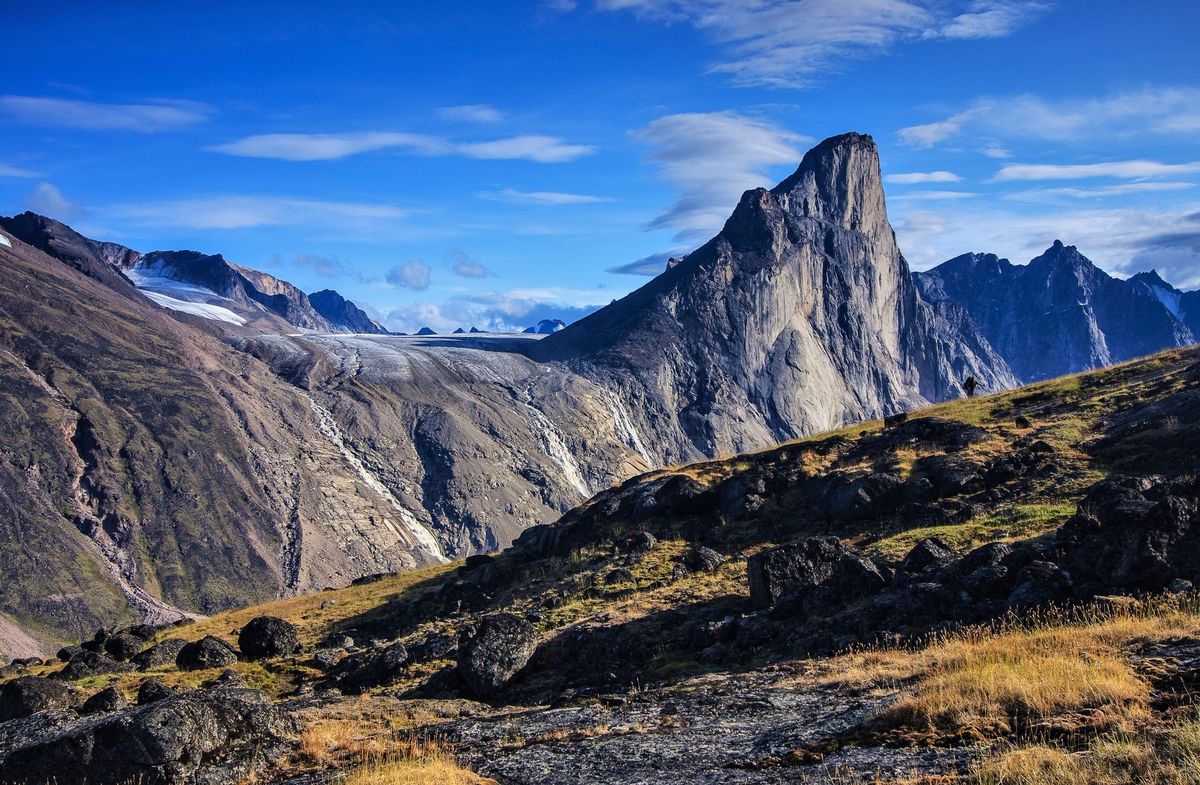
[[328, 147], [241, 212], [472, 113], [711, 159], [146, 118], [990, 19], [539, 197], [913, 178], [466, 267], [543, 149], [1122, 240], [791, 43], [1098, 192], [332, 147], [933, 196], [1120, 169], [48, 200], [650, 265], [1150, 110], [413, 274], [15, 171]]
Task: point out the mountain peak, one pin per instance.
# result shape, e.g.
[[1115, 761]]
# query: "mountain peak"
[[839, 181], [1152, 278]]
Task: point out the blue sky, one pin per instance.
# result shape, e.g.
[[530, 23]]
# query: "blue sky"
[[493, 163]]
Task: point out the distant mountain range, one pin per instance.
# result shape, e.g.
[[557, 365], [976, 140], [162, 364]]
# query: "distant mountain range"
[[195, 283], [1060, 313], [246, 440]]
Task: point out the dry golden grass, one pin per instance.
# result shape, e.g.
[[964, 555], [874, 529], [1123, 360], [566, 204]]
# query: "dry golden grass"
[[1057, 674], [414, 762], [1154, 756], [306, 611], [331, 740]]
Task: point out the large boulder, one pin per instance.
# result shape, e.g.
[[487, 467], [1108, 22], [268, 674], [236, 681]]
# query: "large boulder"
[[124, 645], [163, 654], [500, 647], [365, 670], [268, 636], [201, 738], [28, 695], [90, 663], [1134, 533], [208, 652], [107, 699], [927, 555], [152, 691], [813, 574]]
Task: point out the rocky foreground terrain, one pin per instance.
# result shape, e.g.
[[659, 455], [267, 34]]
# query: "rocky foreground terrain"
[[995, 590], [188, 435]]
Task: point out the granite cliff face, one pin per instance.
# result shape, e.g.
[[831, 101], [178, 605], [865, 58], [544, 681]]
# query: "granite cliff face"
[[1060, 313], [800, 315]]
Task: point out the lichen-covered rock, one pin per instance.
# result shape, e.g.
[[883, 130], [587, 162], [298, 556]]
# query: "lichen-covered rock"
[[268, 636], [124, 645], [208, 652], [28, 695], [153, 690], [499, 649], [368, 669], [1134, 533], [202, 738], [159, 655], [703, 559], [107, 699], [90, 663], [810, 575]]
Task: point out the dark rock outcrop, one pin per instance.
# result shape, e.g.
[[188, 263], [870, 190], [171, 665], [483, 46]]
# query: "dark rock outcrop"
[[343, 314], [152, 691], [208, 652], [1134, 533], [810, 576], [268, 636], [499, 648], [107, 699], [28, 695], [125, 645], [90, 663], [369, 669], [202, 738], [161, 654]]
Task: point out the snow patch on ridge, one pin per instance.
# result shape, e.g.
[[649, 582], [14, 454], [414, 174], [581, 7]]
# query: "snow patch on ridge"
[[179, 296], [208, 311], [1169, 299]]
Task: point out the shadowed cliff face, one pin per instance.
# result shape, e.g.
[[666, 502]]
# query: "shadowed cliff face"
[[1060, 313], [151, 469], [799, 316]]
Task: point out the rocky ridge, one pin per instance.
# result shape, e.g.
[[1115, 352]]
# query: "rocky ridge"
[[1060, 313]]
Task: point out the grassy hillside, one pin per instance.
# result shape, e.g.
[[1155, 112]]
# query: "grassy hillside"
[[1058, 696]]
